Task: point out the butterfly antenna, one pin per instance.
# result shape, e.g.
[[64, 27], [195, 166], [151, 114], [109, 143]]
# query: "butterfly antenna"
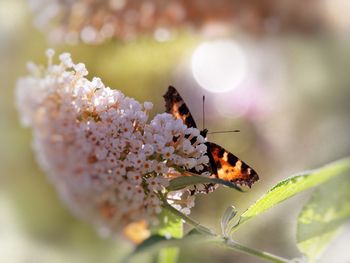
[[223, 131], [203, 112]]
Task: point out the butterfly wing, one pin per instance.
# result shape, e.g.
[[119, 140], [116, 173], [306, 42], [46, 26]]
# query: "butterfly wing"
[[175, 105], [223, 164], [228, 167]]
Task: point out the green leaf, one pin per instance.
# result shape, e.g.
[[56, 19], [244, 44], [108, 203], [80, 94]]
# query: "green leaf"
[[157, 242], [294, 185], [184, 181], [200, 228], [226, 220], [169, 226], [168, 255], [153, 242], [320, 219]]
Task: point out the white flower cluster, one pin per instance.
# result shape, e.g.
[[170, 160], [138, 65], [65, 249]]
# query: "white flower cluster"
[[107, 162]]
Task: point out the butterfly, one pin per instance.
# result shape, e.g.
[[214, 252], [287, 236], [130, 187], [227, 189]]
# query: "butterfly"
[[222, 164]]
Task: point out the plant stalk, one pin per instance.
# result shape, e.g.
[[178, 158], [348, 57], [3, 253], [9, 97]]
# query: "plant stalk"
[[253, 252], [226, 241], [188, 220]]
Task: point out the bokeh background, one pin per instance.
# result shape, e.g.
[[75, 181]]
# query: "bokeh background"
[[276, 70]]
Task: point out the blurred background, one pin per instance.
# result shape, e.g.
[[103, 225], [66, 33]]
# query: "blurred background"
[[276, 70]]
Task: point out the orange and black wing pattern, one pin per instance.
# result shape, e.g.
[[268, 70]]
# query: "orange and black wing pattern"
[[223, 164], [175, 105], [228, 167]]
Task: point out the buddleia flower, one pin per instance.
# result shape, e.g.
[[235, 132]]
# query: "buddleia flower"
[[94, 21], [108, 162]]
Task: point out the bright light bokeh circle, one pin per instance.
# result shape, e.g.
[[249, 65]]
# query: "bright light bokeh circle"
[[219, 66]]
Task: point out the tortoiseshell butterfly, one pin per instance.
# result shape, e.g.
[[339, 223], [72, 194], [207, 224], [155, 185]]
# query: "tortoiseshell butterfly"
[[223, 164]]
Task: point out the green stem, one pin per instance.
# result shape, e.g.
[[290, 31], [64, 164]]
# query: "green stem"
[[188, 220], [228, 242], [253, 252]]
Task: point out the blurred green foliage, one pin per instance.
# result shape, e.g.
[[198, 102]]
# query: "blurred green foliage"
[[323, 215]]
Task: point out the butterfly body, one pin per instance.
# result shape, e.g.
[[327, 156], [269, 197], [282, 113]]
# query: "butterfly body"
[[222, 164]]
